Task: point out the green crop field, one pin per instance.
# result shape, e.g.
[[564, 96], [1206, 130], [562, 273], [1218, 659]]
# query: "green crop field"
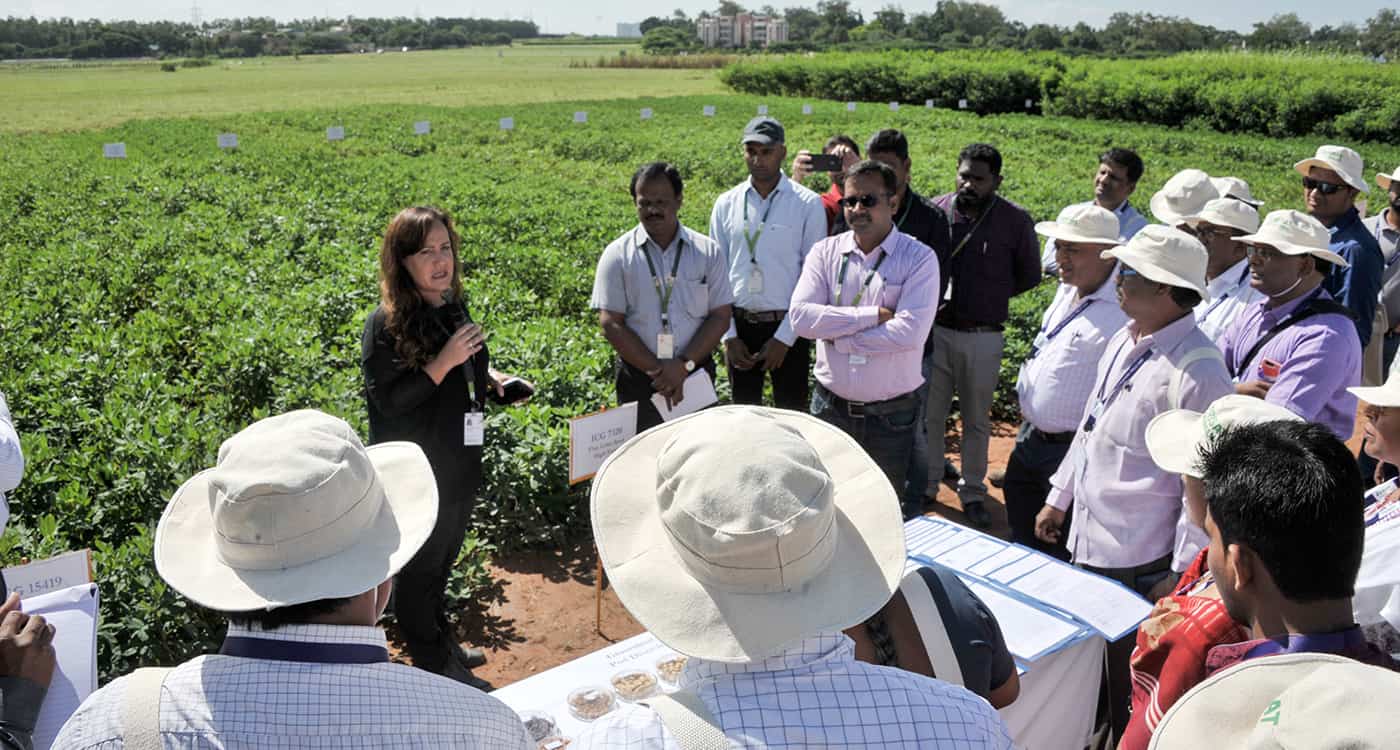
[[45, 97], [157, 304]]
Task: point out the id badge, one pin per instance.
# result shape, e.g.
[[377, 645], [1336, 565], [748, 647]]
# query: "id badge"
[[858, 359], [755, 281], [948, 293], [665, 345], [473, 428]]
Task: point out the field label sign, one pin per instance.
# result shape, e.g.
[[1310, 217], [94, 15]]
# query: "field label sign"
[[335, 133], [928, 103], [507, 123], [708, 111], [894, 106], [421, 128], [1028, 104], [580, 117], [114, 150], [850, 106], [646, 113], [228, 140], [762, 109], [53, 574], [962, 104], [594, 437], [806, 109]]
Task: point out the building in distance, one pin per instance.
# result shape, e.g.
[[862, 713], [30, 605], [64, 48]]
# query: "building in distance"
[[742, 30]]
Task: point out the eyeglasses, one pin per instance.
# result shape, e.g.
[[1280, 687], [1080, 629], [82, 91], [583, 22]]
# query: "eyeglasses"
[[868, 200], [1204, 231], [1264, 253], [1326, 188]]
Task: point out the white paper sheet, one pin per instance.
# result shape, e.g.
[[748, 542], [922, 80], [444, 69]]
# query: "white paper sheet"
[[73, 614], [699, 393], [1019, 568], [1029, 632], [1109, 608], [1005, 557], [964, 556]]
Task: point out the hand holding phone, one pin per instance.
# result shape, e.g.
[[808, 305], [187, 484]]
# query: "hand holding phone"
[[826, 162]]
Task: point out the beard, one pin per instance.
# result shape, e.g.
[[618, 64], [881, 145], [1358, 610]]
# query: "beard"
[[971, 202]]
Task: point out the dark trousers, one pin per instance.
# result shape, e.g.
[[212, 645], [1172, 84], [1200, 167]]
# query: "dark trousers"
[[1033, 461], [790, 390], [1116, 696], [420, 586], [887, 436], [635, 385], [916, 482]]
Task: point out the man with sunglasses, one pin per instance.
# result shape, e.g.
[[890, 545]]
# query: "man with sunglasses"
[[995, 257], [1227, 270], [867, 297], [1294, 347], [1331, 181]]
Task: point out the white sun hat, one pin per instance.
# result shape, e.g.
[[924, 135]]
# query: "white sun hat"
[[1176, 438], [1340, 159], [1312, 701], [1184, 195], [1167, 256], [1385, 394], [1294, 233], [1228, 212], [736, 531], [296, 509], [1234, 187], [1384, 180], [1082, 223]]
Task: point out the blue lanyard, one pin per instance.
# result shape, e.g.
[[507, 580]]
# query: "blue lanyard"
[[318, 653], [1105, 402], [1035, 350], [1221, 300]]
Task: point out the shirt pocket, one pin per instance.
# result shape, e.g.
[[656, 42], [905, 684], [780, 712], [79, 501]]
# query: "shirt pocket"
[[696, 295], [889, 296]]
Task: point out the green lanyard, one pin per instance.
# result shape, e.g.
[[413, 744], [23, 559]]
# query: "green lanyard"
[[841, 279], [663, 290], [899, 223], [752, 239]]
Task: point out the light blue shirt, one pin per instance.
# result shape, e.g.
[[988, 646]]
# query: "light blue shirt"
[[795, 221], [1130, 222]]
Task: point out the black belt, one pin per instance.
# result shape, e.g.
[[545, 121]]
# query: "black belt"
[[765, 316], [1163, 563], [1053, 437], [974, 327], [859, 409]]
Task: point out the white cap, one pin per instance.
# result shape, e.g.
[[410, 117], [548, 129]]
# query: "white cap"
[[1228, 212], [1167, 256], [1176, 438], [1385, 394], [1340, 159], [1082, 223], [1234, 187], [1384, 180], [1185, 194], [1294, 233]]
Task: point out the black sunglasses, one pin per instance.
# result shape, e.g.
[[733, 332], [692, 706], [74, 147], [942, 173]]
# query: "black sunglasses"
[[867, 200], [1326, 188]]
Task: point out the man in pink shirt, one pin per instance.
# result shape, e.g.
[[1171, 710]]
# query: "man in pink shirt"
[[867, 297]]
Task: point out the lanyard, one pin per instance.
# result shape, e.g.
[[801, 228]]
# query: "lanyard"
[[1222, 298], [1067, 320], [841, 279], [1299, 312], [663, 290], [1105, 402], [899, 223], [752, 239], [948, 211], [319, 653]]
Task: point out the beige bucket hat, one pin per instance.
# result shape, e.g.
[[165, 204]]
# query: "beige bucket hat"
[[1228, 212], [736, 531], [1234, 187], [1167, 256], [1384, 180], [1287, 701], [1177, 438], [1294, 233], [296, 509], [1082, 223], [1340, 159], [1184, 195]]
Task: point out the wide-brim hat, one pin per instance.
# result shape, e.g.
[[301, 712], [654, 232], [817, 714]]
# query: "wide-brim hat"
[[1167, 256], [1285, 701], [297, 509], [1385, 394], [1340, 159], [736, 531], [1228, 212], [1082, 223], [1384, 180], [1183, 196], [1294, 233], [1177, 438], [1234, 187]]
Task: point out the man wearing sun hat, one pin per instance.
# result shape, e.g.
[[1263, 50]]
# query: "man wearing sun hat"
[[1128, 515], [1183, 196], [1331, 181], [1234, 187], [1058, 374], [295, 535], [1294, 347], [763, 535], [1385, 228], [1227, 269]]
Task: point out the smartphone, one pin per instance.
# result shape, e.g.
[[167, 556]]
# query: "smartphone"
[[826, 163], [516, 390]]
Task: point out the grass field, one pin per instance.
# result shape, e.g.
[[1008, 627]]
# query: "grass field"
[[64, 97]]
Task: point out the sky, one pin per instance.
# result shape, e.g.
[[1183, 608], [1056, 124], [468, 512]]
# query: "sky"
[[601, 16]]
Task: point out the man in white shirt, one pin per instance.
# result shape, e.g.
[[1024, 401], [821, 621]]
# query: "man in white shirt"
[[1227, 268], [765, 534], [1114, 182], [11, 460], [764, 227], [296, 534], [1057, 377]]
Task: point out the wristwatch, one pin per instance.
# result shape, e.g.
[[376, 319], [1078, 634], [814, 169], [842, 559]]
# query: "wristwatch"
[[689, 364]]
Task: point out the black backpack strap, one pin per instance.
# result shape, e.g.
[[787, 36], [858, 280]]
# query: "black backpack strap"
[[1314, 306]]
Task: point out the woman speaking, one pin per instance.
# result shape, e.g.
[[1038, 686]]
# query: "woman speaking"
[[427, 376]]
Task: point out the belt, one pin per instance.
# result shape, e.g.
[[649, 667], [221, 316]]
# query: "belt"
[[1138, 571], [973, 327], [859, 409], [1053, 437], [765, 316]]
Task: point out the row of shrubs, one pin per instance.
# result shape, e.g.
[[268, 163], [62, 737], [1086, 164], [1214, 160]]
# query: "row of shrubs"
[[1276, 94]]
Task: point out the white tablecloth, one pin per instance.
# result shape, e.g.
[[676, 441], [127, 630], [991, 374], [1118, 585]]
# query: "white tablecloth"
[[1055, 710]]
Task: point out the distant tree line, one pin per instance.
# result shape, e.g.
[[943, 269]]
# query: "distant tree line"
[[958, 24], [31, 38]]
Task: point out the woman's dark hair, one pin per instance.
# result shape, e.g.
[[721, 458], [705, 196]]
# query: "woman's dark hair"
[[653, 170], [879, 631], [1291, 492], [296, 614], [406, 316]]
